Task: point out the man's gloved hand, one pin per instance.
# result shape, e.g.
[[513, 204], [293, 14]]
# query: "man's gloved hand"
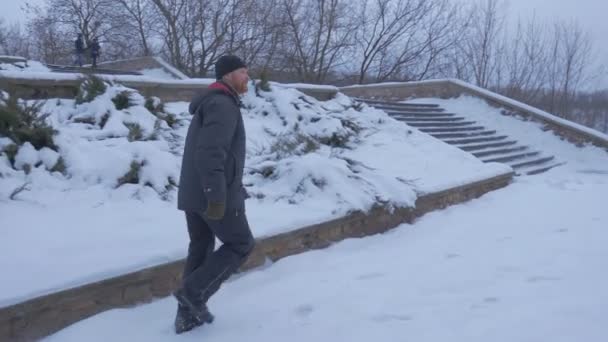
[[215, 210]]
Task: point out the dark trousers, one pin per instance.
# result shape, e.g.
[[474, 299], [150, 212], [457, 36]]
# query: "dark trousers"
[[79, 56], [206, 269]]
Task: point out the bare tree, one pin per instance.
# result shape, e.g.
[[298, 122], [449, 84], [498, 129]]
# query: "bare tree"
[[13, 40], [441, 26], [87, 17], [170, 11], [576, 53], [48, 41], [481, 47], [383, 24], [94, 19], [217, 31], [526, 58], [196, 33], [3, 37], [257, 35], [418, 53], [404, 39], [569, 63], [142, 19], [317, 35]]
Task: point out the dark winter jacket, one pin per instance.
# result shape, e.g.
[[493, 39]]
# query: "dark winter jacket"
[[95, 48], [79, 45], [214, 152]]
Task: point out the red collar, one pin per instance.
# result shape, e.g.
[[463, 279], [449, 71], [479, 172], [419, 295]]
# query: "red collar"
[[226, 89], [220, 85]]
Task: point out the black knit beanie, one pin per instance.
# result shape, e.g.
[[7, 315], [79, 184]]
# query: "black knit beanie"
[[227, 64]]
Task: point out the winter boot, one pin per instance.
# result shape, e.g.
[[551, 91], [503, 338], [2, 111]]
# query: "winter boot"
[[196, 309]]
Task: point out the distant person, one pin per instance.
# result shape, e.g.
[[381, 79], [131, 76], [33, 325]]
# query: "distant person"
[[95, 51], [79, 47], [211, 193]]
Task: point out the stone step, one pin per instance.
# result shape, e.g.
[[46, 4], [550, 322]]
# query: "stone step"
[[510, 157], [421, 115], [477, 147], [499, 151], [427, 119], [462, 135], [401, 109], [441, 124], [475, 140], [536, 169], [532, 161], [371, 101], [452, 129]]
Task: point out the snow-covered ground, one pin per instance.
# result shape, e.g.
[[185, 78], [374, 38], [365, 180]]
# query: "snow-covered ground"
[[28, 67], [308, 162], [524, 263], [159, 73]]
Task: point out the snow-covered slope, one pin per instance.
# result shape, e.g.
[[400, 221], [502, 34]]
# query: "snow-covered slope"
[[112, 211], [524, 263]]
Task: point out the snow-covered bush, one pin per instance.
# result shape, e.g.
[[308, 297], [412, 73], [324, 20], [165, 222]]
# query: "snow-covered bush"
[[89, 89], [23, 122], [154, 105], [122, 100]]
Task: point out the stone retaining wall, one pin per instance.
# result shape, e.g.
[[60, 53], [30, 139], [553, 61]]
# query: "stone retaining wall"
[[45, 315], [167, 91]]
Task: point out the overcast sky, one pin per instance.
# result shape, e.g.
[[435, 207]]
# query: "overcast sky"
[[589, 13]]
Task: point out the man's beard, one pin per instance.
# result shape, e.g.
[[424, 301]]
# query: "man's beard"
[[241, 88]]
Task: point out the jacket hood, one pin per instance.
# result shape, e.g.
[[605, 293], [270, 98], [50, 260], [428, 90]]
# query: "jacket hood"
[[217, 88]]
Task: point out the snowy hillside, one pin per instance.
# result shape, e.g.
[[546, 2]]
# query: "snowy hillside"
[[525, 263], [103, 193]]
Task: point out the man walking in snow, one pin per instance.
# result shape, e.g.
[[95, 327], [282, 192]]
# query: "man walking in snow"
[[211, 193], [95, 50], [79, 49]]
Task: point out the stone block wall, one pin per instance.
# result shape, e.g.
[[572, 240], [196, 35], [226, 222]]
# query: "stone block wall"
[[166, 91]]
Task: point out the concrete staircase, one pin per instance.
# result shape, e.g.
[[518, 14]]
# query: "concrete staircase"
[[455, 129]]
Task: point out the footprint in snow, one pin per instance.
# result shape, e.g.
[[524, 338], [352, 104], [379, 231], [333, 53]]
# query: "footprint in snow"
[[539, 279], [370, 276], [485, 301], [490, 300], [383, 318], [304, 310], [504, 239], [452, 256]]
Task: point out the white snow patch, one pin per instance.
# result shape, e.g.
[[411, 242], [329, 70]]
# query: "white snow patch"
[[170, 67], [48, 157], [4, 141], [159, 73], [27, 155], [524, 263], [307, 86], [24, 67]]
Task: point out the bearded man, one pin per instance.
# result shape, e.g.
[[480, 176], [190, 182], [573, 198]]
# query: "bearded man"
[[211, 193]]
